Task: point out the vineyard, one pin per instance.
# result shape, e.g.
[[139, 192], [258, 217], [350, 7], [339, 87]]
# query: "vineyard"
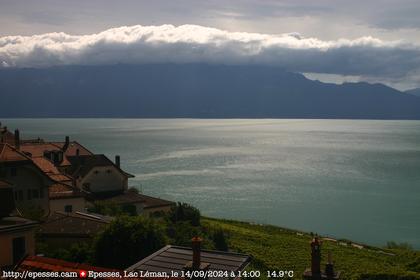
[[278, 249]]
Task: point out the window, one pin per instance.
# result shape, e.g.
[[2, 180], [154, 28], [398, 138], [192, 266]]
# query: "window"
[[41, 192], [20, 195], [35, 194], [16, 195], [68, 208], [13, 171], [19, 248], [29, 194]]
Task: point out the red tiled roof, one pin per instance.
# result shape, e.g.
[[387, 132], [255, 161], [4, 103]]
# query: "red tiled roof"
[[57, 188], [41, 264], [36, 149], [51, 170], [37, 263], [72, 148], [60, 190], [10, 154]]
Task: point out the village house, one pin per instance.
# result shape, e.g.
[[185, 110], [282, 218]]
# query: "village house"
[[97, 174], [79, 177], [66, 198], [16, 233], [30, 184]]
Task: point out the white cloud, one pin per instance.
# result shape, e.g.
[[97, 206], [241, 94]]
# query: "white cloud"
[[365, 56]]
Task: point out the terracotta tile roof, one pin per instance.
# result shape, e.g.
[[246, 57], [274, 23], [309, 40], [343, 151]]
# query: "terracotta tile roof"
[[51, 170], [36, 149], [72, 148], [46, 165], [37, 263], [10, 154], [60, 190]]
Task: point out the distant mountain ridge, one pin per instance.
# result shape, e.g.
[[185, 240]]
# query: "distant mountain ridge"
[[415, 92], [193, 91]]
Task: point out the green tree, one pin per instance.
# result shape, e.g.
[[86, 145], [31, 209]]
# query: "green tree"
[[185, 212], [219, 240], [127, 240]]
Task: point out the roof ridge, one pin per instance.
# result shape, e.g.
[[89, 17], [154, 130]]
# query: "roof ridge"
[[6, 145]]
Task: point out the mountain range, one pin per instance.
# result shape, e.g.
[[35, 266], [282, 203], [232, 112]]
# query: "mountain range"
[[415, 91], [193, 91]]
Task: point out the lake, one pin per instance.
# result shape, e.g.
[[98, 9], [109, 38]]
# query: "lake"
[[354, 179]]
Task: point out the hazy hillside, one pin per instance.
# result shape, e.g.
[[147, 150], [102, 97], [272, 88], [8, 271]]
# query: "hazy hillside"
[[415, 92], [192, 90]]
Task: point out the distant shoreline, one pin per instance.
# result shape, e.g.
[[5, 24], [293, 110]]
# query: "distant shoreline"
[[201, 118]]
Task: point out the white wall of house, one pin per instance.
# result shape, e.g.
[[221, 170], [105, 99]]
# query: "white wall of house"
[[6, 244], [62, 204], [103, 179]]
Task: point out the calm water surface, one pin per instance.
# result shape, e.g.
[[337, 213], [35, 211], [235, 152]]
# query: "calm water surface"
[[354, 179]]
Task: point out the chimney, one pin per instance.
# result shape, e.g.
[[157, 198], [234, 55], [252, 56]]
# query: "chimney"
[[77, 152], [117, 160], [196, 249], [196, 264], [329, 268], [17, 139], [66, 143], [316, 257]]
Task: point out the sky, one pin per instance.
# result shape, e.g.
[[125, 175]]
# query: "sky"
[[334, 40]]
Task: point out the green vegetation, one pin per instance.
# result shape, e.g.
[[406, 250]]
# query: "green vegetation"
[[275, 248], [185, 212], [128, 239]]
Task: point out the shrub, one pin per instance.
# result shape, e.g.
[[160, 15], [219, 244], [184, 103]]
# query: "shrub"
[[219, 240], [185, 212], [395, 245], [126, 241]]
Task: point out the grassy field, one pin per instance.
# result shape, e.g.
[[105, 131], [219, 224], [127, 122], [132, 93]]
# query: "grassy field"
[[275, 248]]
